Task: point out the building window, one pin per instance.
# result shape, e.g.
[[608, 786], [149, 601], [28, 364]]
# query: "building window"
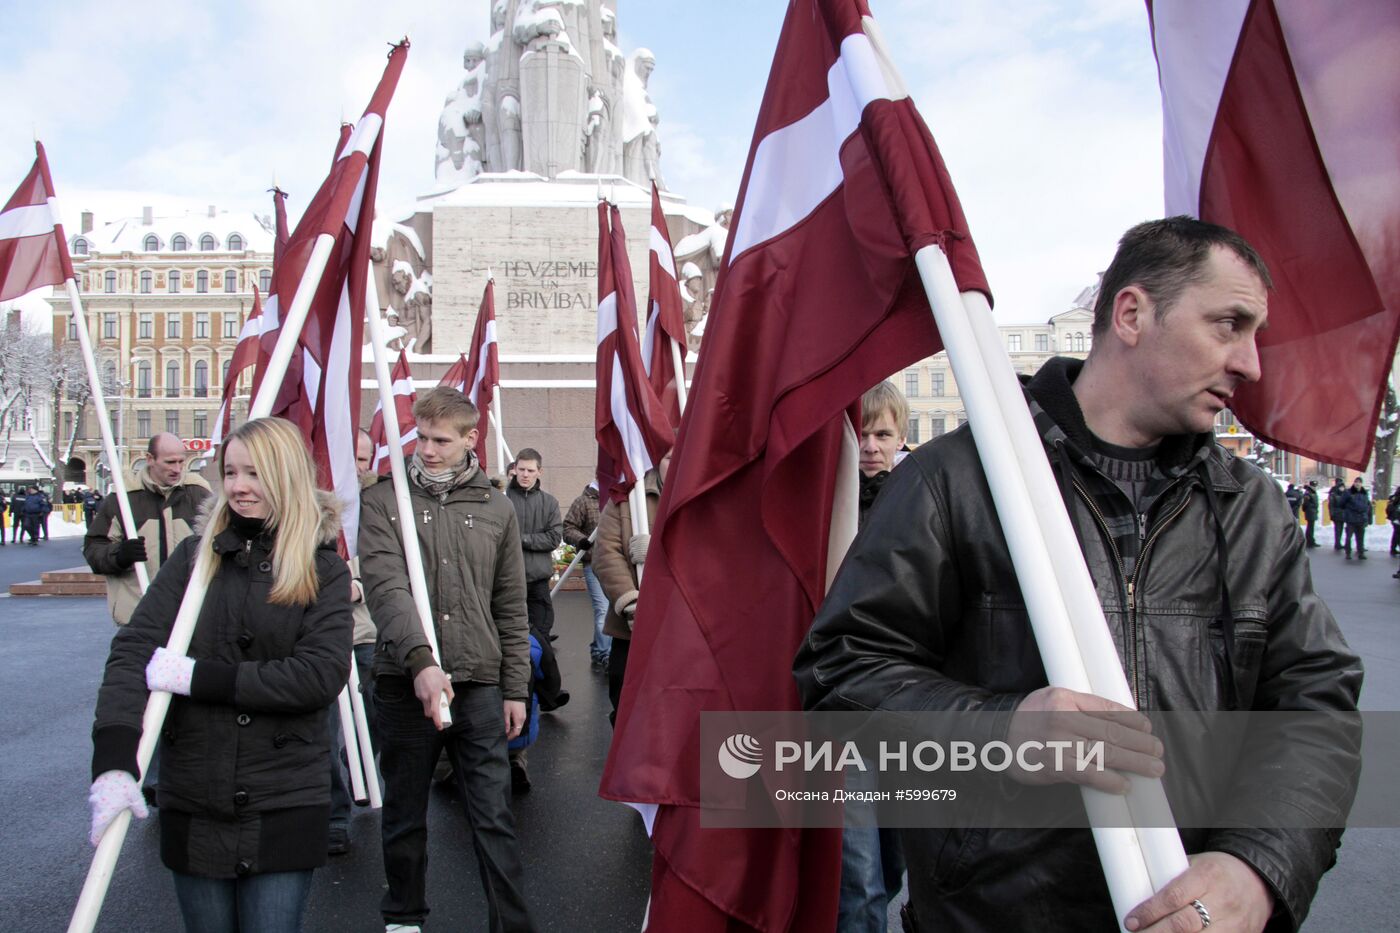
[[265, 281], [1078, 343], [145, 325], [1042, 343], [913, 437], [208, 243], [172, 420], [80, 246], [174, 281], [937, 426], [911, 384], [72, 328], [230, 325], [109, 282], [172, 326], [179, 243], [143, 422], [152, 243], [230, 280], [109, 326], [201, 281], [146, 278], [1013, 343], [201, 423], [235, 243], [143, 379], [201, 379], [227, 364], [962, 419], [172, 379], [67, 424], [201, 325], [938, 389]]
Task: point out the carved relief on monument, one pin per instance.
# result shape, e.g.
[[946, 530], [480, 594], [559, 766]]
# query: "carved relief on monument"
[[699, 257], [550, 92], [404, 285]]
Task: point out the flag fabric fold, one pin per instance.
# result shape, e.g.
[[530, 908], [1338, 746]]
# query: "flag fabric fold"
[[245, 354], [271, 320], [483, 367], [33, 250], [404, 397], [326, 403], [665, 319], [1280, 122], [818, 299], [633, 431], [456, 375]]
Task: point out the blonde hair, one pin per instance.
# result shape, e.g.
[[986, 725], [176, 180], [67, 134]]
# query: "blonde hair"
[[446, 405], [278, 452], [885, 399]]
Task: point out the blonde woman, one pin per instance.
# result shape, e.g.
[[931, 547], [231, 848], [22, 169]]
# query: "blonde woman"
[[244, 800]]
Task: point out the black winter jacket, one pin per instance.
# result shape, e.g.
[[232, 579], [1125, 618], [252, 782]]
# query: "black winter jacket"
[[926, 614], [245, 767], [541, 528]]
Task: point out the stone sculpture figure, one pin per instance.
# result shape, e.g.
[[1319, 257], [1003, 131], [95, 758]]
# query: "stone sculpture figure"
[[638, 114], [461, 152]]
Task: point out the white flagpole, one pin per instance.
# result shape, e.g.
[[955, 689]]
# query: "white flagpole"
[[104, 424], [104, 860], [1132, 873], [412, 551], [357, 705], [503, 454], [681, 391], [578, 556], [351, 740]]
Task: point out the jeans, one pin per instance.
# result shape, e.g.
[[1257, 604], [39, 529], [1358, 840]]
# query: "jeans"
[[872, 863], [340, 770], [270, 903], [476, 744], [602, 644], [539, 608]]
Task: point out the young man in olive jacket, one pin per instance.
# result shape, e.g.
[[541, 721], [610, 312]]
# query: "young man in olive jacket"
[[1204, 582], [470, 542]]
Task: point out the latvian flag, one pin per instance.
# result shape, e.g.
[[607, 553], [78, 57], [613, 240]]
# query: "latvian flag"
[[1282, 121], [633, 432], [665, 320], [483, 372], [33, 252], [245, 354], [404, 397]]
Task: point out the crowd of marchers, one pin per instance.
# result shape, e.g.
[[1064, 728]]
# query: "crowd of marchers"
[[1198, 559]]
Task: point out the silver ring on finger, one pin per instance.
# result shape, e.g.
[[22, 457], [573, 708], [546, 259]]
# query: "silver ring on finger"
[[1201, 912]]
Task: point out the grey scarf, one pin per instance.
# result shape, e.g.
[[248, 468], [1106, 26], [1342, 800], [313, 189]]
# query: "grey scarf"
[[440, 484]]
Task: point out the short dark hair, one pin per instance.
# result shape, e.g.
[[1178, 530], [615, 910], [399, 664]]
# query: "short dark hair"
[[529, 453], [1163, 257]]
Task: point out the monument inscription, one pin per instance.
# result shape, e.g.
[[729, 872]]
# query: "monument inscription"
[[550, 285]]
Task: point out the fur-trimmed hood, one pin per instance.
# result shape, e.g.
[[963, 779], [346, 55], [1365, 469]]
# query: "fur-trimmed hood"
[[329, 527]]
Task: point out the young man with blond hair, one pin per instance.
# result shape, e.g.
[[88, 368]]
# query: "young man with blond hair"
[[470, 542]]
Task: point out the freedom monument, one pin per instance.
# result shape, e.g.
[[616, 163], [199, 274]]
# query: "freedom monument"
[[546, 116]]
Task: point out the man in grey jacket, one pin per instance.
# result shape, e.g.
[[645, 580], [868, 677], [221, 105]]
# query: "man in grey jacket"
[[541, 531], [1204, 582], [470, 543]]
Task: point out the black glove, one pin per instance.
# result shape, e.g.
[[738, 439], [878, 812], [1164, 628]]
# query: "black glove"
[[583, 545], [131, 551]]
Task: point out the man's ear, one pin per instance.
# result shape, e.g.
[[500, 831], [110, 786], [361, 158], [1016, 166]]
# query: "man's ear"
[[1131, 308], [471, 438]]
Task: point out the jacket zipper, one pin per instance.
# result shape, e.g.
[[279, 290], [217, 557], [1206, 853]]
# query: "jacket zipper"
[[1130, 585]]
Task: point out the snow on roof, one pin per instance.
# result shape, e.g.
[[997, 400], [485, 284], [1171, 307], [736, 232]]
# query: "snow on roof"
[[128, 234]]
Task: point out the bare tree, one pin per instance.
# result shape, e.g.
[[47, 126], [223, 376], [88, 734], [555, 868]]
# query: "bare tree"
[[1385, 444]]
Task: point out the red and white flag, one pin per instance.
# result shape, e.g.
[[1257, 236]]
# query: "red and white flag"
[[404, 397], [484, 367], [245, 354], [665, 319], [817, 301], [271, 320], [633, 431], [330, 342], [33, 251], [456, 375], [1281, 122]]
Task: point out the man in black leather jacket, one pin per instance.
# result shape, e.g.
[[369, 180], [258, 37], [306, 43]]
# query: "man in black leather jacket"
[[1197, 561]]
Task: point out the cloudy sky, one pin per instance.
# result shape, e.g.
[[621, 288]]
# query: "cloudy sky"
[[1046, 110]]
